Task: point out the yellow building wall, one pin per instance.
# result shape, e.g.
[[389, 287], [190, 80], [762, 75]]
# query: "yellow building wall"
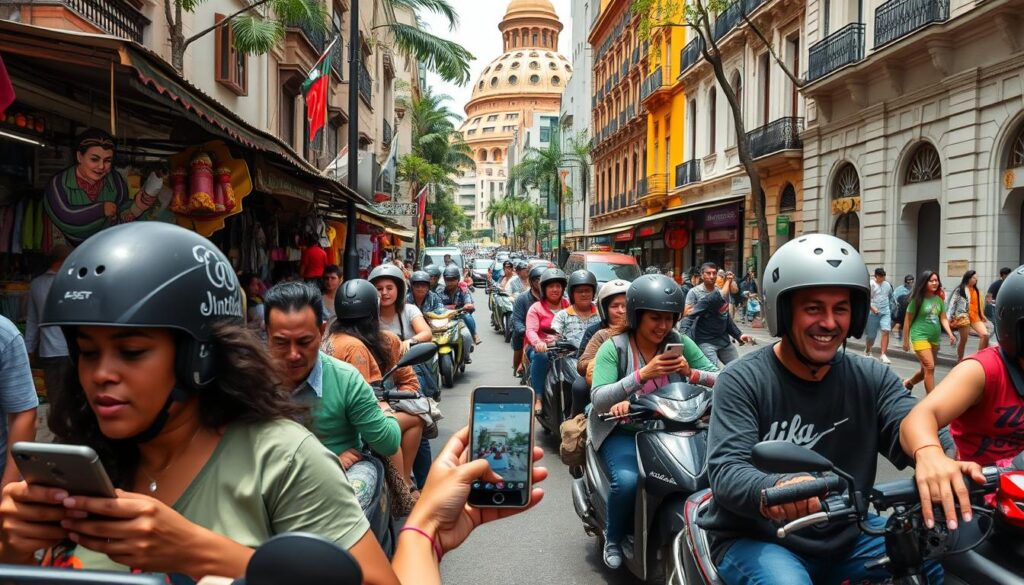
[[669, 115], [773, 185]]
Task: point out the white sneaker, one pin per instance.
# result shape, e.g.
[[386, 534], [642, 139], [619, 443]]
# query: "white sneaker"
[[885, 359]]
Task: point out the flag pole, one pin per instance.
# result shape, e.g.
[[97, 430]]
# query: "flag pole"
[[351, 263]]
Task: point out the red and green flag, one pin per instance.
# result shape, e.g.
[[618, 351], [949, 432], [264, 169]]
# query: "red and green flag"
[[315, 91]]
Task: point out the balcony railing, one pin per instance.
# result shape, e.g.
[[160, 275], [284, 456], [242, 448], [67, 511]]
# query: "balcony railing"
[[365, 84], [641, 187], [839, 49], [688, 172], [636, 56], [657, 184], [115, 17], [727, 20], [898, 18], [338, 52], [631, 197], [630, 112], [782, 134], [690, 54], [622, 118], [388, 134], [651, 84]]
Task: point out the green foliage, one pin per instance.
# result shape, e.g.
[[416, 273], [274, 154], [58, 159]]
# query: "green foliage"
[[445, 212], [254, 35], [448, 59]]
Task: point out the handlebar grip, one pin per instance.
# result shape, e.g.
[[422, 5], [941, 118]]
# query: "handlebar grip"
[[804, 490], [397, 395]]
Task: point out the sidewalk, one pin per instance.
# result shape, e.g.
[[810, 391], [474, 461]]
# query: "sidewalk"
[[946, 357]]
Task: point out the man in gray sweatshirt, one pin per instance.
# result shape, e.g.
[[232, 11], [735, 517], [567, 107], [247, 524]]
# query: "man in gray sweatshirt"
[[807, 390]]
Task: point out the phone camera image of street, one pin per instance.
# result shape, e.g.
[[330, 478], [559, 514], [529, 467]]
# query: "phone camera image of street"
[[501, 435]]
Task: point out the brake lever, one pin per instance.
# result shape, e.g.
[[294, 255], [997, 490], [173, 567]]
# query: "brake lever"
[[801, 523]]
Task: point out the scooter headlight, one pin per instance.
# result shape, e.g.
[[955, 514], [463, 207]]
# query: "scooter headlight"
[[439, 324]]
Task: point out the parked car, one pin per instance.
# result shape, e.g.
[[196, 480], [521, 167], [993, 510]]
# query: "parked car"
[[481, 271], [435, 256], [605, 265]]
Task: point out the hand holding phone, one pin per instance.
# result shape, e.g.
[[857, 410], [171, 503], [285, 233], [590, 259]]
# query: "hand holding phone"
[[673, 350], [31, 516], [74, 468], [501, 432]]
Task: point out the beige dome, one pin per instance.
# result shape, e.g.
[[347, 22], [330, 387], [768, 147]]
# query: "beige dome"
[[527, 71], [521, 8]]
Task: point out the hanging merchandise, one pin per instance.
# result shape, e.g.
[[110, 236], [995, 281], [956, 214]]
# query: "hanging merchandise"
[[207, 186]]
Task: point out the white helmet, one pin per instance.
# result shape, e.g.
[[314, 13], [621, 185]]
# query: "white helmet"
[[609, 290]]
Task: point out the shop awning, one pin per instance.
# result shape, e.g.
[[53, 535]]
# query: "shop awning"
[[664, 215]]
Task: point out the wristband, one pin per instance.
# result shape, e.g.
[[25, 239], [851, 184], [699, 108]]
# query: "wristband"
[[925, 447], [433, 542], [636, 375], [694, 376]]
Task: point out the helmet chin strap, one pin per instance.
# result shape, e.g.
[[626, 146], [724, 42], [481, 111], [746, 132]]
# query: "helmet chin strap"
[[814, 366], [177, 394]]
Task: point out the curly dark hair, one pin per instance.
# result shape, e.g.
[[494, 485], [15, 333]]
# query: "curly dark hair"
[[247, 389], [368, 331]]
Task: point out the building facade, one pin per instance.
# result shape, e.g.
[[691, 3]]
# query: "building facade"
[[525, 81], [914, 150], [575, 121]]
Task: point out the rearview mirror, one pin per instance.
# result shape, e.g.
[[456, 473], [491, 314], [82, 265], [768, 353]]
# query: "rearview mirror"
[[785, 457], [420, 353], [301, 558]]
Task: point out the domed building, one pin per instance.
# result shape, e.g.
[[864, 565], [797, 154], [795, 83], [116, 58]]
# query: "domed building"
[[516, 93]]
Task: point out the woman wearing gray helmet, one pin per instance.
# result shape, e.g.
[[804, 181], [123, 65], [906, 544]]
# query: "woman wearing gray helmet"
[[519, 310], [571, 322], [980, 399], [421, 294], [539, 331], [522, 283], [611, 306], [630, 363], [403, 319]]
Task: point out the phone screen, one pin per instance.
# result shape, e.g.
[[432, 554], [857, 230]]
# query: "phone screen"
[[502, 433]]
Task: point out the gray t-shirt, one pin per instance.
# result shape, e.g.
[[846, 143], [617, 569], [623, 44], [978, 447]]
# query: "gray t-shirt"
[[880, 294], [850, 416], [17, 392], [401, 324]]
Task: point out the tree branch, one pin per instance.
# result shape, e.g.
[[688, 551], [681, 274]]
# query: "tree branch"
[[799, 83], [167, 13], [223, 22]]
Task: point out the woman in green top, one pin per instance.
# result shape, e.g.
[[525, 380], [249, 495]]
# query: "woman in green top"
[[925, 322], [631, 363]]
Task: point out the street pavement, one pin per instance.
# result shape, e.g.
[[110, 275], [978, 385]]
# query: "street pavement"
[[547, 544]]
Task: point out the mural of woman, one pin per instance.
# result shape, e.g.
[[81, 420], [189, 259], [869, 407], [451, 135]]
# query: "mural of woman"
[[89, 196]]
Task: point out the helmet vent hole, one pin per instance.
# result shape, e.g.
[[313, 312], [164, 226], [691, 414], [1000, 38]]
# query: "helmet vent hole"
[[802, 240], [775, 275], [818, 251], [844, 251], [100, 269], [82, 272]]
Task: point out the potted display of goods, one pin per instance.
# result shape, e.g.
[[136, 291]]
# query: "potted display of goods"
[[202, 190]]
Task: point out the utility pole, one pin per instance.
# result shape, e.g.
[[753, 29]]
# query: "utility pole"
[[351, 254]]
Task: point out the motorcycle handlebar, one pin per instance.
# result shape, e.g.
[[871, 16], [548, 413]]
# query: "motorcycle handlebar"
[[389, 395], [804, 490]]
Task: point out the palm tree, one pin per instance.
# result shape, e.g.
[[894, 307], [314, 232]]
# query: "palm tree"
[[510, 208], [446, 58]]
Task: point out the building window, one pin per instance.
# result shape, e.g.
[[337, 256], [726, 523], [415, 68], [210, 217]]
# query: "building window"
[[556, 81], [488, 130], [712, 120], [924, 165], [513, 80], [847, 183], [492, 117], [787, 200], [494, 82], [1017, 151], [535, 79], [230, 65], [511, 116]]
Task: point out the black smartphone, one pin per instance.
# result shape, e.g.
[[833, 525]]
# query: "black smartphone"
[[501, 431], [75, 468]]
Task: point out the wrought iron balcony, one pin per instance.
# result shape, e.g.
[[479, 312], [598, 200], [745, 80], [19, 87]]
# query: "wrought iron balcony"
[[751, 5], [641, 187], [338, 52], [688, 172], [365, 84], [636, 56], [690, 54], [630, 112], [388, 134], [651, 84], [607, 85], [657, 184], [622, 118], [115, 17], [782, 134], [839, 49], [631, 197], [727, 20], [898, 18], [614, 126]]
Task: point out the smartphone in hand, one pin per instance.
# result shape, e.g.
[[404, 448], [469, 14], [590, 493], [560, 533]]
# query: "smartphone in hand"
[[75, 468], [501, 431], [673, 350]]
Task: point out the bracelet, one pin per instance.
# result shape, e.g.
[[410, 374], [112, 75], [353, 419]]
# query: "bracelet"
[[433, 541], [924, 447], [636, 375]]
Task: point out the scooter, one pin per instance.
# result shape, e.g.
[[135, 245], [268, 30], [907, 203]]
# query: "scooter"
[[453, 343], [501, 312], [671, 452], [980, 552], [557, 391], [377, 507]]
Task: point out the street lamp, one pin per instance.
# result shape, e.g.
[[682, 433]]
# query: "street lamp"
[[351, 254]]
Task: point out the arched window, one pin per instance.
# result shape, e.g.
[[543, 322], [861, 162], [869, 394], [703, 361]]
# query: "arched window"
[[556, 80], [535, 79], [512, 80], [787, 200], [847, 183], [1016, 158], [846, 204], [712, 120], [496, 155], [924, 165], [482, 155]]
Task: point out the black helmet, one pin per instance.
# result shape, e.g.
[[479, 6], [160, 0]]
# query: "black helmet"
[[653, 292], [452, 272], [536, 272], [552, 275], [434, 271], [508, 263], [150, 274], [394, 273], [357, 299], [581, 278], [419, 276], [652, 270], [1010, 314]]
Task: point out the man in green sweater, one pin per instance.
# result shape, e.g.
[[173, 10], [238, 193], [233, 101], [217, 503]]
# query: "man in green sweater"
[[345, 410]]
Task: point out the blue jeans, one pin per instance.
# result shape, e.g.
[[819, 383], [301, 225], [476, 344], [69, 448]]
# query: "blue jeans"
[[538, 370], [618, 452], [421, 465], [757, 562], [720, 351], [882, 321], [470, 323]]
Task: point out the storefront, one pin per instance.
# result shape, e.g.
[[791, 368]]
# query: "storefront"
[[717, 237]]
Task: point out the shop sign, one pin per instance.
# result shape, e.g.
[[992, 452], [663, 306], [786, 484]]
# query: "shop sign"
[[625, 236], [782, 225], [956, 268], [722, 217], [741, 185], [394, 208], [677, 238], [601, 240], [273, 182], [845, 205], [721, 236]]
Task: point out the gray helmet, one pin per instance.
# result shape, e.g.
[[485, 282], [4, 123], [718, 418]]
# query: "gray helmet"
[[1010, 314], [652, 270], [552, 275], [653, 292], [451, 272], [537, 271], [811, 261], [520, 265], [419, 276], [609, 290], [394, 273], [434, 271], [508, 263], [581, 278], [357, 299]]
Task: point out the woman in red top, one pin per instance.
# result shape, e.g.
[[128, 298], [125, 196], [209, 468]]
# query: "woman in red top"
[[313, 261], [982, 400], [538, 327]]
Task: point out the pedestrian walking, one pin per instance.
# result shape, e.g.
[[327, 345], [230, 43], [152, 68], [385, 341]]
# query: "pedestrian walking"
[[46, 345], [18, 400], [880, 317], [925, 321], [966, 313], [748, 286], [902, 296], [707, 319]]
